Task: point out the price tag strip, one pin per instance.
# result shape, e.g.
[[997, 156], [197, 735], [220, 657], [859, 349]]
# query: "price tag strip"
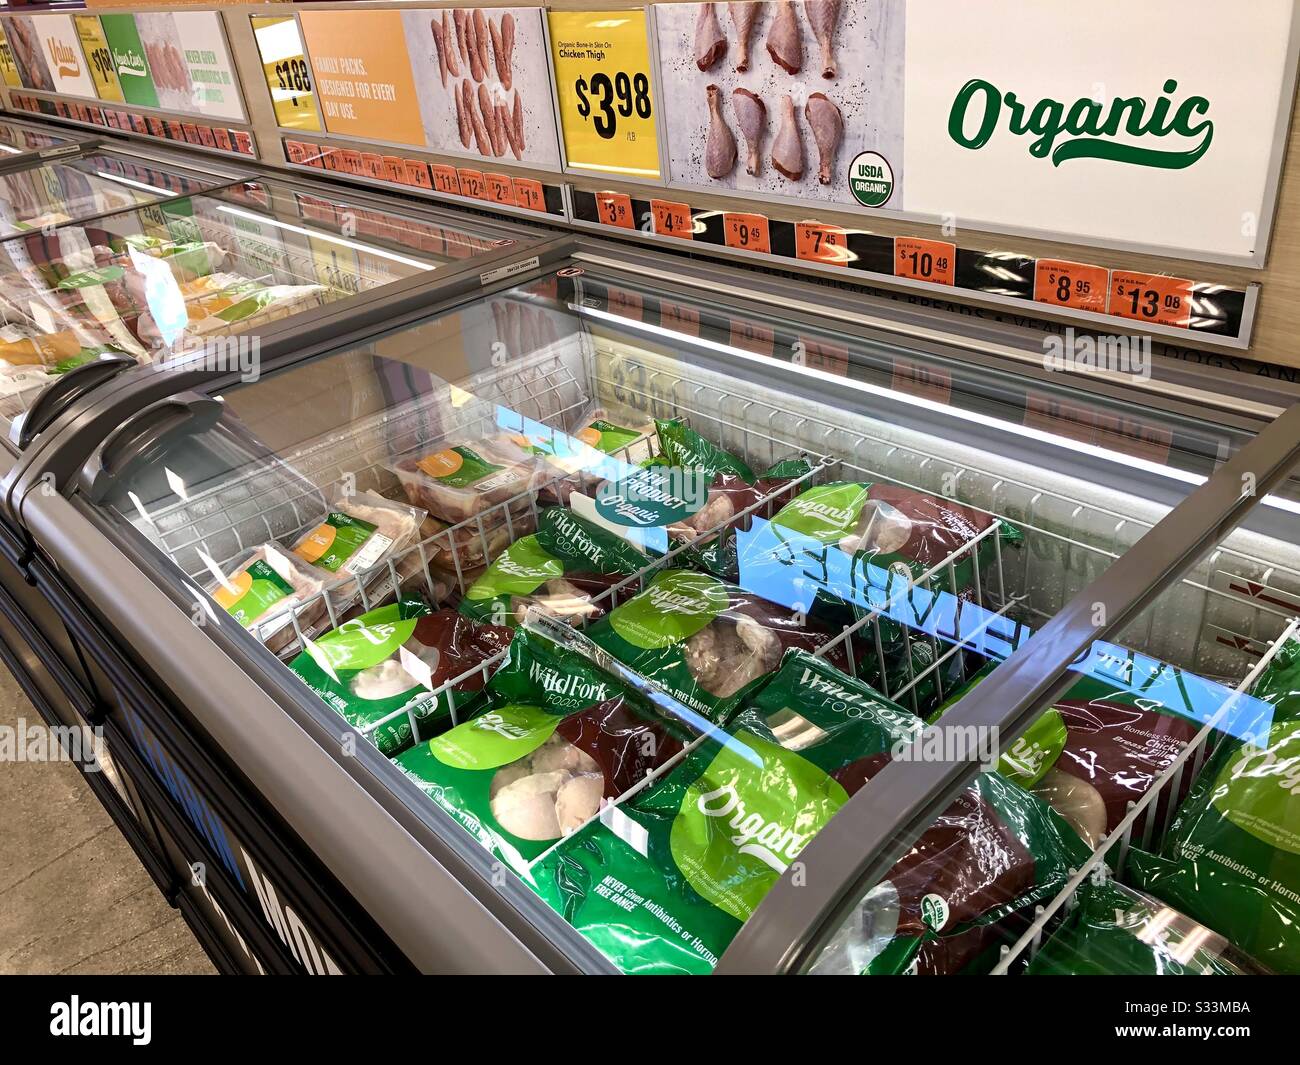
[[458, 183], [1164, 304], [196, 134]]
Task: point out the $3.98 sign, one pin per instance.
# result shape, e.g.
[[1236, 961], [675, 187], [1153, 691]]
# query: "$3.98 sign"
[[602, 72]]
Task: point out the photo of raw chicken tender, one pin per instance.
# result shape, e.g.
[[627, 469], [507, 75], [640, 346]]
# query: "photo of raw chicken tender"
[[25, 44], [483, 82], [778, 97], [166, 57]]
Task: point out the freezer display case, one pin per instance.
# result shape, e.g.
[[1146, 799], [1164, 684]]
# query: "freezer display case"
[[593, 620], [228, 274], [22, 142]]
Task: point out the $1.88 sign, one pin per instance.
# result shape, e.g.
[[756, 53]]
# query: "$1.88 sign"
[[602, 70]]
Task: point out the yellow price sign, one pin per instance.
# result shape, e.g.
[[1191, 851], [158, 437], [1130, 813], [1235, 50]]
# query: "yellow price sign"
[[8, 68], [287, 74], [98, 57], [602, 72]]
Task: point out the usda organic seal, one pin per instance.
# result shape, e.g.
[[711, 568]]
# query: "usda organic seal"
[[871, 179]]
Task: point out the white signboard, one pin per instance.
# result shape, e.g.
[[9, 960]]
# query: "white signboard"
[[62, 51], [1153, 124]]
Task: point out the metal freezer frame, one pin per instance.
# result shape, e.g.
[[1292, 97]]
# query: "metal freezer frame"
[[219, 700]]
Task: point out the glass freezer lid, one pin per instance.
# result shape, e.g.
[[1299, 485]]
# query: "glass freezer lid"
[[50, 194], [806, 540], [16, 139], [156, 280]]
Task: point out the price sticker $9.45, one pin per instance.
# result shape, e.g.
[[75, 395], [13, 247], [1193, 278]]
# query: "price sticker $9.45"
[[602, 72]]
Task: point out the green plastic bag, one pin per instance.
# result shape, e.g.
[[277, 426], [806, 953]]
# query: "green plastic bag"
[[704, 641], [662, 882], [1116, 931], [559, 739], [384, 661], [1231, 859], [562, 568]]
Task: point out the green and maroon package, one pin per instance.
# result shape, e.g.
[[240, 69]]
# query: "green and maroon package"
[[559, 739], [891, 527], [1116, 931], [563, 568], [1231, 859], [704, 641], [1100, 748], [664, 880]]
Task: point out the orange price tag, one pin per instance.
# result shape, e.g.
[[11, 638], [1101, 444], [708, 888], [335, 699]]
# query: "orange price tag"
[[472, 184], [672, 219], [1075, 285], [1154, 298], [445, 179], [529, 194], [917, 379], [352, 162], [747, 232], [417, 173], [818, 243], [499, 188], [751, 336], [296, 152], [395, 169], [626, 304], [925, 260], [373, 164], [679, 319], [615, 209]]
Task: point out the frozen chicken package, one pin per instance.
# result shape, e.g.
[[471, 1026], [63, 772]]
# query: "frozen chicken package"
[[1116, 931], [1102, 746], [704, 641], [1231, 858], [891, 528], [396, 657], [564, 568], [663, 882], [264, 587], [560, 739], [359, 531], [690, 491], [457, 482]]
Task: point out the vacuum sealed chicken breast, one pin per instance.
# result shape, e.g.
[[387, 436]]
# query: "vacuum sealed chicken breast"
[[704, 641], [560, 739], [359, 532], [564, 568], [458, 482], [265, 587], [394, 659]]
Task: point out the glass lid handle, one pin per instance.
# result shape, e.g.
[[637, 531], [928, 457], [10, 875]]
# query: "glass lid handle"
[[61, 393]]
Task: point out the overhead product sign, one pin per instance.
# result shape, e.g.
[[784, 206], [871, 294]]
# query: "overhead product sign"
[[604, 91], [8, 68], [99, 58], [129, 61], [1040, 123], [287, 75], [362, 75], [63, 58], [483, 84]]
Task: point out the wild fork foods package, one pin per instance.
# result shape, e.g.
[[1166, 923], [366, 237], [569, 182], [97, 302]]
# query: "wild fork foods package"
[[662, 883], [264, 586], [562, 568], [893, 527], [704, 641], [559, 740], [394, 658], [1116, 931], [1100, 748], [1231, 858]]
